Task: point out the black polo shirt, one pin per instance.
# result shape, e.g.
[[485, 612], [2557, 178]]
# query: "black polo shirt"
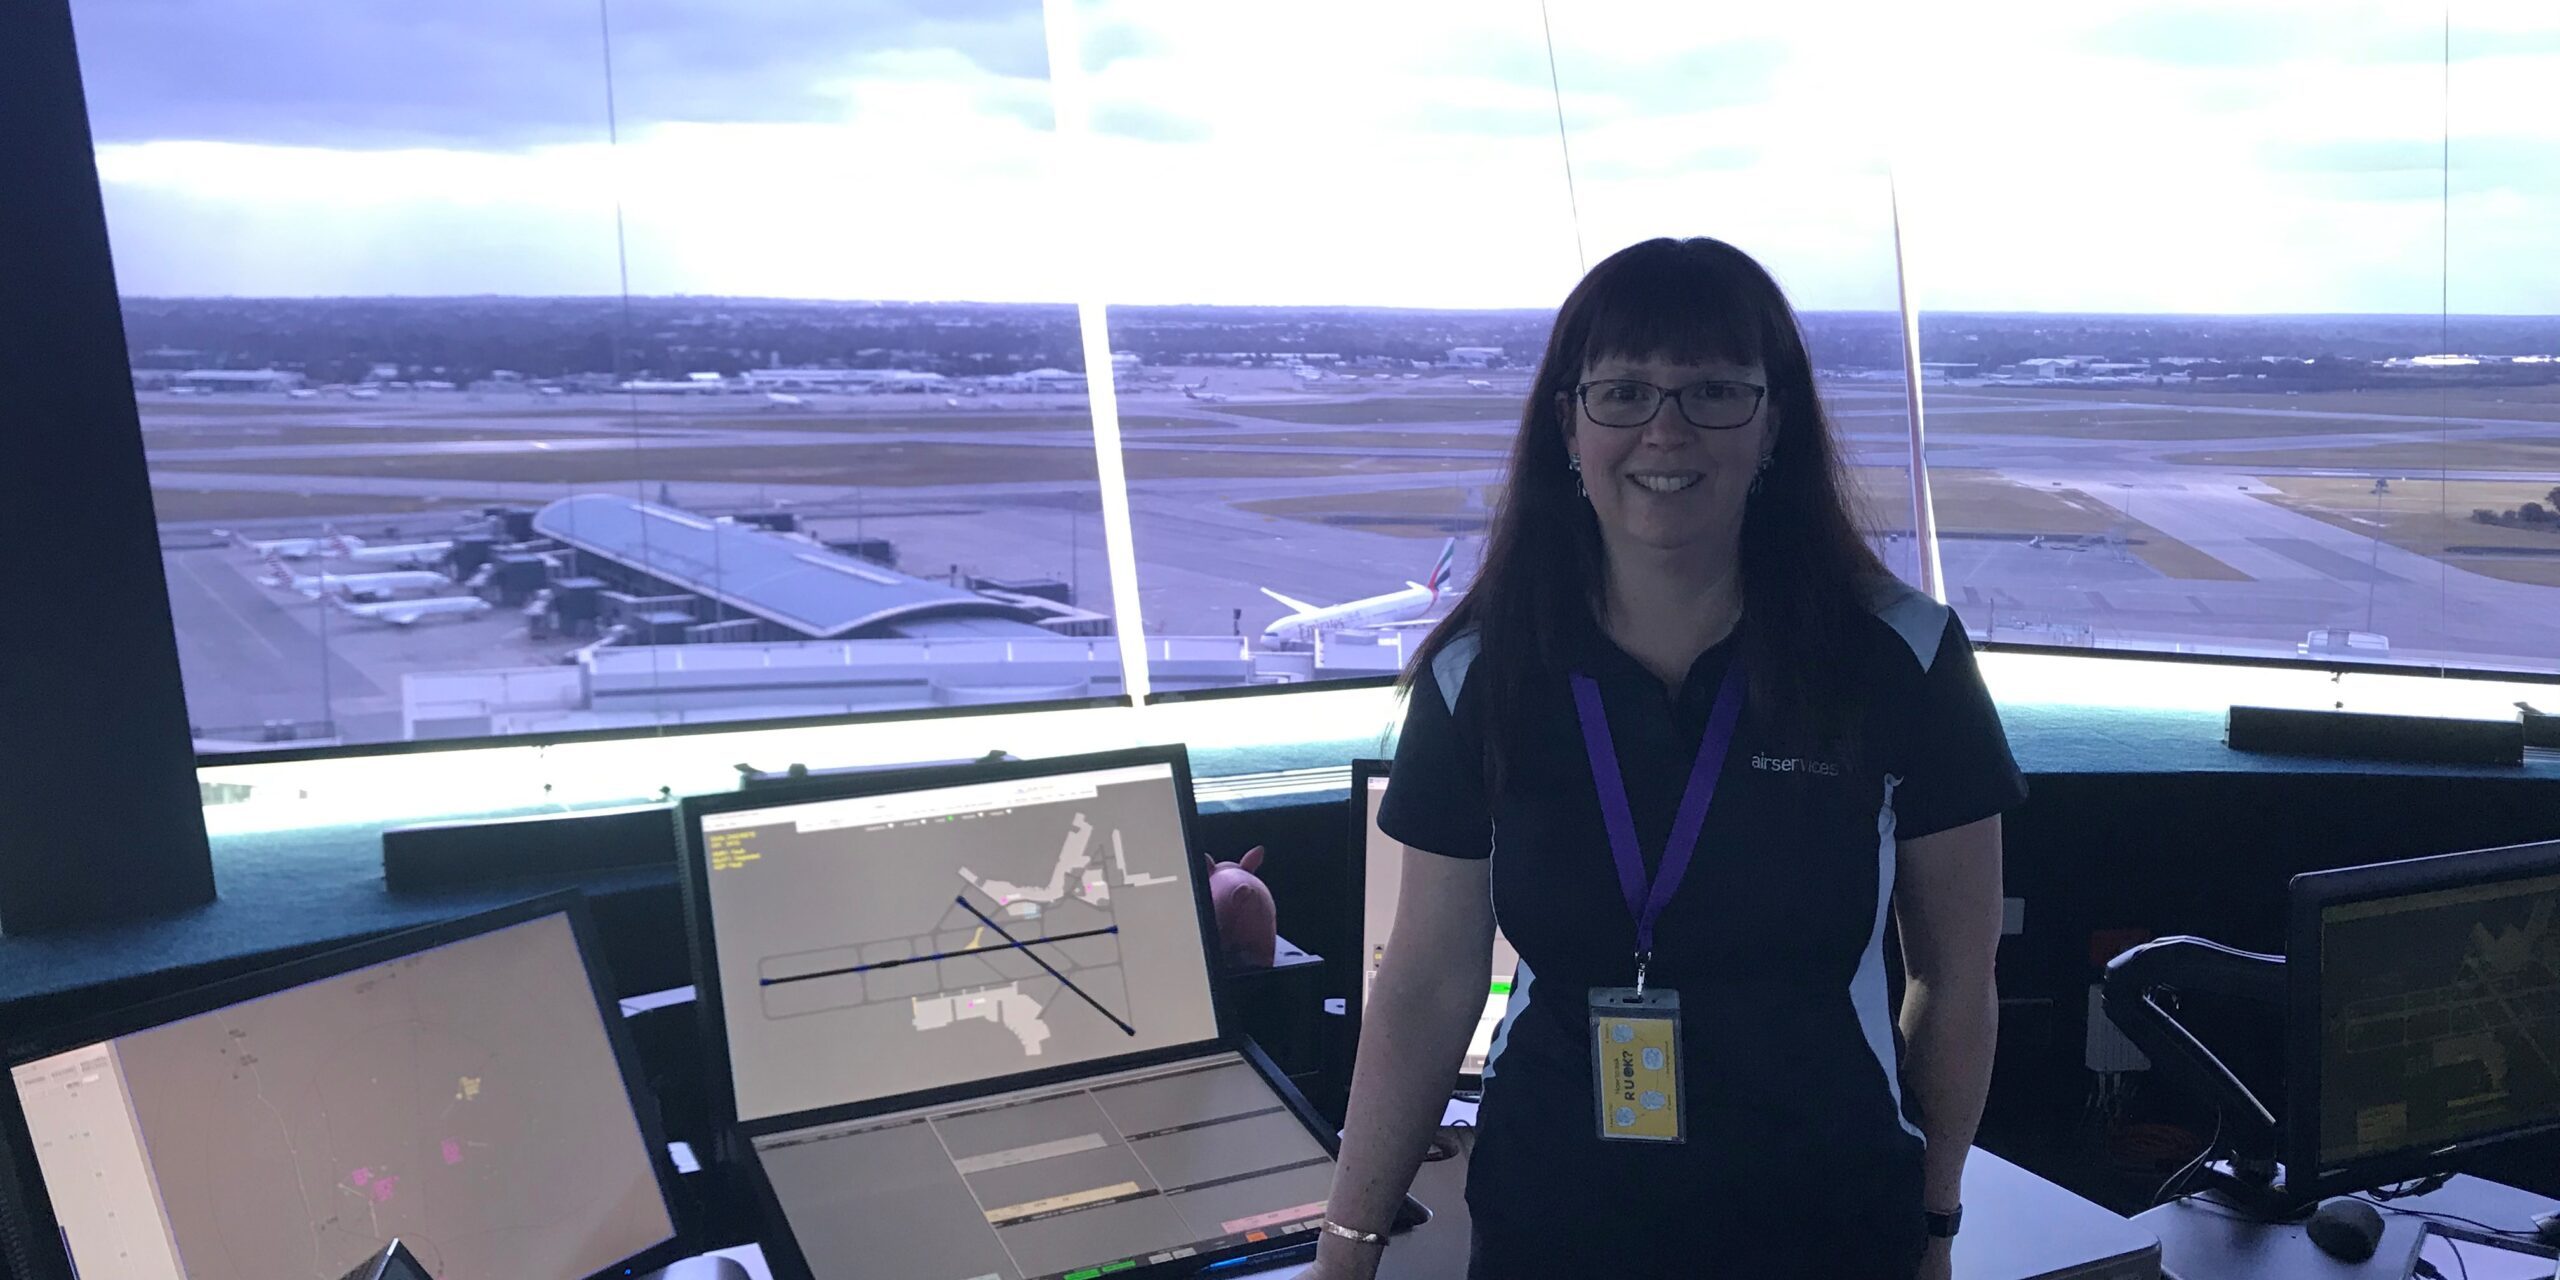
[[1774, 941]]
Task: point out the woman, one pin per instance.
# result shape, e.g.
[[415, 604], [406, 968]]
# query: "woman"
[[1674, 574]]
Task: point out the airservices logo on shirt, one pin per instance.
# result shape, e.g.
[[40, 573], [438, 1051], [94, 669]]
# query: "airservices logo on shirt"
[[1795, 764]]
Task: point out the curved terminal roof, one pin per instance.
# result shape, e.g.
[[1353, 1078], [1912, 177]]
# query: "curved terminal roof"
[[787, 581]]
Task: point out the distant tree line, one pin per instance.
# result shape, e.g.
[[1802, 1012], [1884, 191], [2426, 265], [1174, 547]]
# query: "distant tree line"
[[467, 339], [2531, 515]]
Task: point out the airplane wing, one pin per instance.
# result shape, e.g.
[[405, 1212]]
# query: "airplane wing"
[[1409, 624], [1293, 606]]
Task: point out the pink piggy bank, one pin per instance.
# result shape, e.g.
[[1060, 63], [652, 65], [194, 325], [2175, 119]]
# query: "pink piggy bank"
[[1248, 924]]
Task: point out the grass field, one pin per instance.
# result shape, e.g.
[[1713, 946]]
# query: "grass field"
[[154, 405], [176, 505], [1495, 442], [1343, 510], [2114, 423], [1488, 407], [1974, 501], [2540, 457], [909, 422], [2527, 403], [2427, 516], [1966, 501], [200, 436], [826, 464]]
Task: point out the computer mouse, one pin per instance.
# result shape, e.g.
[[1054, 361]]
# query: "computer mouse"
[[2345, 1228], [706, 1267]]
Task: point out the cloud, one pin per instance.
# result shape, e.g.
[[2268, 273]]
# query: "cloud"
[[1146, 123], [2356, 155], [2416, 169], [2372, 33], [1108, 42], [504, 73]]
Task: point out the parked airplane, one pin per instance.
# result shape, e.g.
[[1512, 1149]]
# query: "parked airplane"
[[411, 555], [406, 613], [1479, 384], [1304, 621], [288, 548], [780, 400], [352, 585], [1203, 394]]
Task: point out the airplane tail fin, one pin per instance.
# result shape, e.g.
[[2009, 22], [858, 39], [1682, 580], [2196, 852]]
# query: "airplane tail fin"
[[1441, 568], [1293, 606]]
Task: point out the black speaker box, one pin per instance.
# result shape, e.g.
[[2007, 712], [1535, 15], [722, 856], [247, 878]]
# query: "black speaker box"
[[447, 855], [2361, 735]]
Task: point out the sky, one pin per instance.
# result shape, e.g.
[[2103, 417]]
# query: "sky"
[[2106, 156]]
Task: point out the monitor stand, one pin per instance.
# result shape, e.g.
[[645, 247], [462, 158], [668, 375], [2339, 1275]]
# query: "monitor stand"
[[2255, 1190]]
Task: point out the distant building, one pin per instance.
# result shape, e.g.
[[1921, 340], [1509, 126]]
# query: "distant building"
[[2046, 367], [1475, 357], [668, 387], [1125, 362], [240, 380], [795, 589], [1052, 380], [823, 379]]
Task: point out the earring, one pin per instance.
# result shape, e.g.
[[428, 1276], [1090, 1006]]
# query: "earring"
[[1573, 463]]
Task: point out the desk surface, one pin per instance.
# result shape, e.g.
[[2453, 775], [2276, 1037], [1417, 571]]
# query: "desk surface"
[[2017, 1227], [2201, 1238]]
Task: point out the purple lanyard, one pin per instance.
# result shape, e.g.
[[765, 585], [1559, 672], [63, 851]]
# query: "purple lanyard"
[[1644, 903]]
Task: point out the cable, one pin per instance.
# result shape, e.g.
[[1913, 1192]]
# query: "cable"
[[2387, 1207], [2192, 1165], [1564, 140], [2433, 1182]]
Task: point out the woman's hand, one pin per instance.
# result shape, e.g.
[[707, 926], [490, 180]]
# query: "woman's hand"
[[1936, 1264]]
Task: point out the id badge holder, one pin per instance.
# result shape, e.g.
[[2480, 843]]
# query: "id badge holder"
[[1635, 1058]]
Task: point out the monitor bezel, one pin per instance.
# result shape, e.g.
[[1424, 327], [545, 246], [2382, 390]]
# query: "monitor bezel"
[[1363, 773], [19, 1049], [784, 1257], [2309, 895], [702, 940]]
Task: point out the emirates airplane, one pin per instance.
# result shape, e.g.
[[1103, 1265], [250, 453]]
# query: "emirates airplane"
[[1304, 621]]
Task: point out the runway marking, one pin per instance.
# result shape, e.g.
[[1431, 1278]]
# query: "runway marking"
[[236, 616]]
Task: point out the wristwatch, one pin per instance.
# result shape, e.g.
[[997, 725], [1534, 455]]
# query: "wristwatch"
[[1942, 1226]]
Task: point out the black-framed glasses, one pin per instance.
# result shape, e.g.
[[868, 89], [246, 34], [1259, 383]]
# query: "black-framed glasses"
[[1716, 404]]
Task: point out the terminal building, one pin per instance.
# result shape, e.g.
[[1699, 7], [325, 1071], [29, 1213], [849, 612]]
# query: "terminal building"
[[695, 618]]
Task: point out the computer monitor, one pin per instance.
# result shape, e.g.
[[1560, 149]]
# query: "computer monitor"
[[885, 935], [465, 1089], [1381, 860], [971, 1029], [2425, 1015]]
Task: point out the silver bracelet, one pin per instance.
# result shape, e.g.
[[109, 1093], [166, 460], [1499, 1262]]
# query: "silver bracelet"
[[1334, 1228]]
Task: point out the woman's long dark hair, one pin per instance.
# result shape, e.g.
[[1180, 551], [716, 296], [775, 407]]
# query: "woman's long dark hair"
[[1803, 563]]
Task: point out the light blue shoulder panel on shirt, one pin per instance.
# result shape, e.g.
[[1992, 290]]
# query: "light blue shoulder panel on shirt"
[[1449, 667], [1919, 620]]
